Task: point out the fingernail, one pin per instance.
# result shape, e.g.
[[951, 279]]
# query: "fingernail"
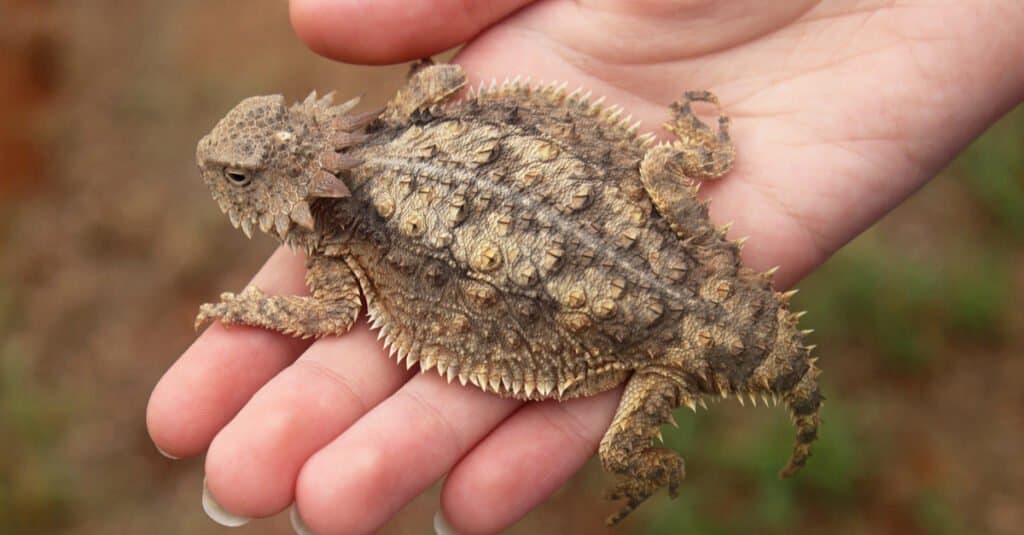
[[441, 526], [165, 454], [298, 525], [218, 514]]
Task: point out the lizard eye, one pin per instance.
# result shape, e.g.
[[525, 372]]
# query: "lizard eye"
[[237, 177]]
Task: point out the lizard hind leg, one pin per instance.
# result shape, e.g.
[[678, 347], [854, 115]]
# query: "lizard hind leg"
[[627, 447]]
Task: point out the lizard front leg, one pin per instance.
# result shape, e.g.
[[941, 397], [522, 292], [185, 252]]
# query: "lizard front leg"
[[698, 153], [428, 85], [702, 152], [331, 309]]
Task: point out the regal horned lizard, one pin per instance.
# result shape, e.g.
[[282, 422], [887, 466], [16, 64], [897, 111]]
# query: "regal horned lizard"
[[523, 240]]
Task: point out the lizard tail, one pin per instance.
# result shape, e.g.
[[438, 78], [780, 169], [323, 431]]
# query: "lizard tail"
[[804, 401]]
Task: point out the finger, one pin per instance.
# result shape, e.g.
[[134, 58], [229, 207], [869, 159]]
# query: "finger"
[[394, 453], [524, 461], [390, 31], [254, 462], [214, 378]]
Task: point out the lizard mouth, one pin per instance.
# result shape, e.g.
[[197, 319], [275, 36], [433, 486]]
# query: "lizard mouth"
[[275, 224]]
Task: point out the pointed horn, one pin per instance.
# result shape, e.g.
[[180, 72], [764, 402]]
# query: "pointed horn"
[[301, 215], [342, 140], [352, 121], [326, 100], [347, 106], [334, 162], [266, 222], [327, 185], [247, 227], [281, 224]]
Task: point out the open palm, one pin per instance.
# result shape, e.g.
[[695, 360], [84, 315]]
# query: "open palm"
[[839, 112]]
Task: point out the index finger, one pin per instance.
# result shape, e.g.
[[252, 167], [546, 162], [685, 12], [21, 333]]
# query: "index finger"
[[222, 369], [392, 31]]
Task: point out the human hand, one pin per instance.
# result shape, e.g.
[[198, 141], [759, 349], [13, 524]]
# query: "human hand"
[[839, 112]]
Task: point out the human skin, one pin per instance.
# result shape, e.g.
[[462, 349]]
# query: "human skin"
[[840, 111]]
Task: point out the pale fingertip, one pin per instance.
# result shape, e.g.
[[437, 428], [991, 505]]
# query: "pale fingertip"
[[165, 454], [218, 514], [298, 524], [441, 525]]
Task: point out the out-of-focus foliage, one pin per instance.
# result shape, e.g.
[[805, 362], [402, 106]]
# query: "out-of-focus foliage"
[[35, 489], [993, 169]]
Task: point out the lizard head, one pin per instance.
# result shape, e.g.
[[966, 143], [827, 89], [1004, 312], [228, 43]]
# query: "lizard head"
[[265, 162]]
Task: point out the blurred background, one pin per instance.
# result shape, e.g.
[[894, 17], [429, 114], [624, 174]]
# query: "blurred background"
[[108, 242]]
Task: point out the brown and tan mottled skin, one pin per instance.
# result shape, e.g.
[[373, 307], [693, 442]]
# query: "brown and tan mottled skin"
[[522, 240]]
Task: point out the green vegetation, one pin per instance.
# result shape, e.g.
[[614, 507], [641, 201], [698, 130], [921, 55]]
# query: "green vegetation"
[[993, 169], [34, 489], [35, 493], [746, 461], [934, 515], [906, 311]]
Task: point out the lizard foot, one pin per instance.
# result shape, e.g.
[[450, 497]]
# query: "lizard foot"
[[232, 308], [653, 469]]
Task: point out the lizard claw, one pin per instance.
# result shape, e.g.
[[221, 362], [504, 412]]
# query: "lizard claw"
[[208, 312], [229, 309], [653, 469], [251, 292]]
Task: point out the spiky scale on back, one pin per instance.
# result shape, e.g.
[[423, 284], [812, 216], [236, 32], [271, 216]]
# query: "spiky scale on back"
[[524, 240]]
